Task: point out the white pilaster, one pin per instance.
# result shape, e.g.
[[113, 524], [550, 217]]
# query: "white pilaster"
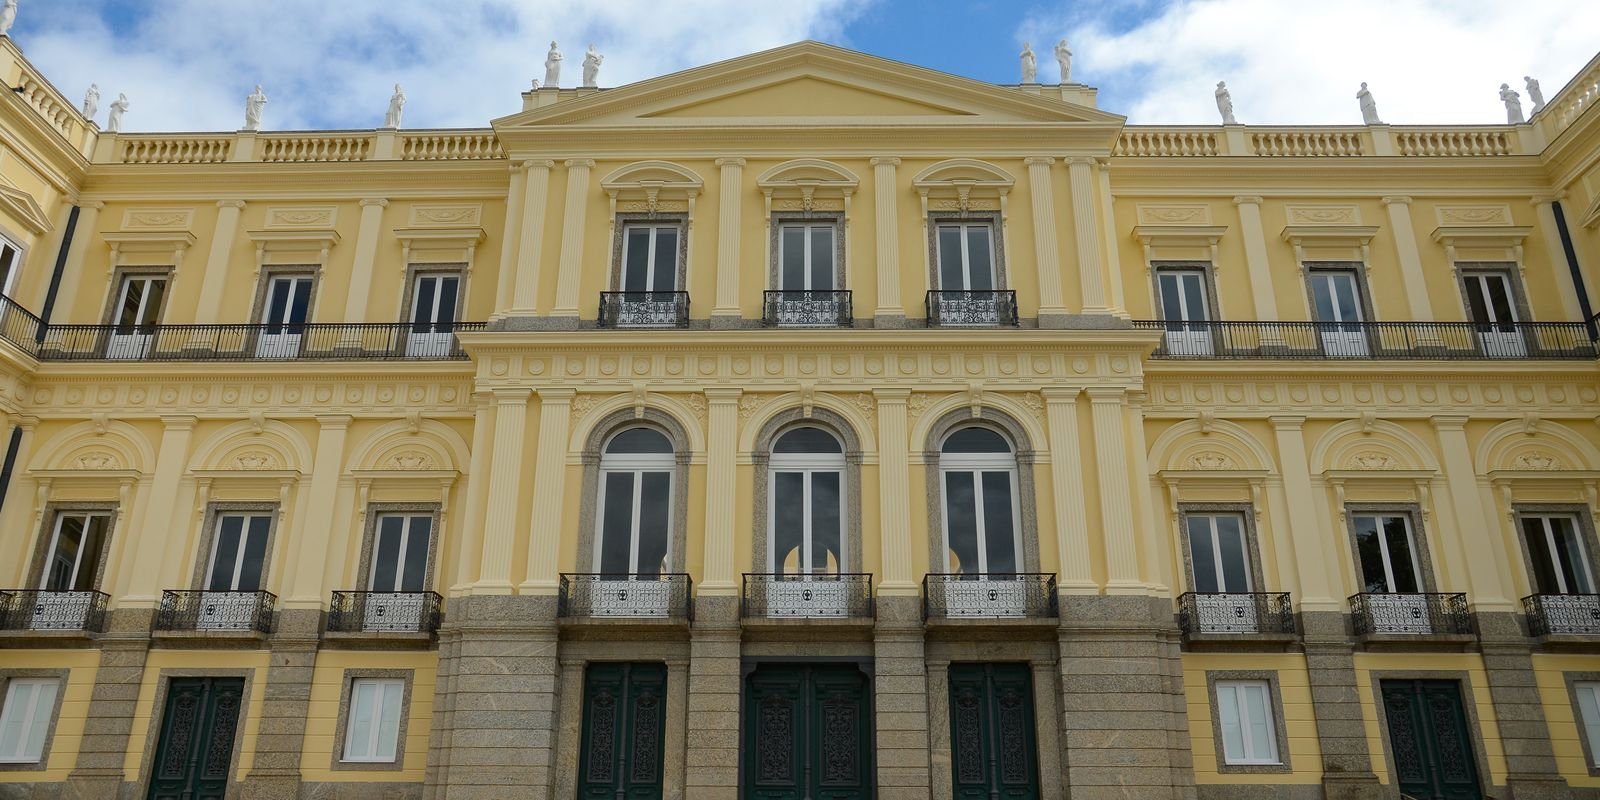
[[722, 443], [887, 222], [1080, 178], [209, 305], [140, 584], [359, 301], [500, 526], [894, 493], [1116, 501], [1255, 257], [530, 249], [305, 586], [728, 223], [1046, 250], [510, 239], [549, 492], [573, 221], [82, 239], [1405, 243], [1067, 484], [1545, 205]]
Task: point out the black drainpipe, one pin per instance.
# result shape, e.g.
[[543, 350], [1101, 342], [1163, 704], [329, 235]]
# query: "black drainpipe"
[[1572, 266], [55, 277], [11, 461]]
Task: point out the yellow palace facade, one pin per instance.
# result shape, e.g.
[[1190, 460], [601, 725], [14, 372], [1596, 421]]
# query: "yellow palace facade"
[[806, 425]]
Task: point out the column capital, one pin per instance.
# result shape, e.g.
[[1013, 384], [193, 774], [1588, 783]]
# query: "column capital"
[[1396, 199], [723, 395], [1080, 161], [334, 421], [1038, 161], [173, 422], [1547, 199], [1248, 200], [1448, 422], [885, 161], [556, 395], [891, 395], [578, 163], [1106, 394], [511, 395], [729, 161], [380, 202], [91, 205], [534, 163], [1061, 394], [1287, 423], [230, 204], [28, 422]]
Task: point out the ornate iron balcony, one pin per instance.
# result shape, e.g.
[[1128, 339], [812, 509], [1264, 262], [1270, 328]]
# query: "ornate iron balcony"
[[644, 310], [41, 610], [808, 308], [997, 595], [1562, 614], [950, 308], [1200, 613], [384, 612], [398, 341], [622, 595], [18, 325], [1415, 614], [188, 610], [1414, 341], [770, 596]]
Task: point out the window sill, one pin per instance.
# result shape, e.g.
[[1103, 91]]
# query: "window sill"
[[375, 640], [1570, 642], [241, 639], [1237, 642], [28, 637], [1398, 642]]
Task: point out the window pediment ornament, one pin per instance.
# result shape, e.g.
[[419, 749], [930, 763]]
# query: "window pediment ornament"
[[167, 245], [296, 243], [652, 187], [806, 185], [963, 185], [443, 245]]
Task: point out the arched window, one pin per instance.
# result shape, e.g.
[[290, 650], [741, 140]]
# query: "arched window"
[[635, 503], [806, 493], [978, 481]]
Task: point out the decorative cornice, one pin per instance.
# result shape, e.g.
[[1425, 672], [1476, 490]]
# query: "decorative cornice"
[[230, 204], [380, 202], [730, 161], [885, 161]]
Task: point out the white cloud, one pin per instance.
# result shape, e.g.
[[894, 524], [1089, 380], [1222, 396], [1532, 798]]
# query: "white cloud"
[[1293, 62], [188, 64]]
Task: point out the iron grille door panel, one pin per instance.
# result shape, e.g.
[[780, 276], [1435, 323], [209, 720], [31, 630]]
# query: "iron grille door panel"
[[993, 749], [624, 725], [195, 751], [808, 733], [1430, 740]]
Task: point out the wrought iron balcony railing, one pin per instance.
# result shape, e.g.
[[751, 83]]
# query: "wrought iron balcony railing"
[[18, 325], [951, 308], [644, 310], [1415, 341], [42, 610], [808, 308], [1414, 614], [189, 610], [770, 596], [997, 595], [622, 595], [1552, 614], [384, 612], [399, 341], [1235, 613]]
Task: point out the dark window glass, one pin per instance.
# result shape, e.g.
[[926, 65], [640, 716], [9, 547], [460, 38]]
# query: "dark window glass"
[[794, 258], [976, 440], [391, 530], [639, 440], [788, 521], [824, 523], [636, 269], [226, 554], [666, 275], [961, 520], [951, 273], [1203, 555], [980, 270], [255, 555], [413, 574], [821, 257], [654, 505], [1230, 546], [616, 527], [999, 536], [807, 440]]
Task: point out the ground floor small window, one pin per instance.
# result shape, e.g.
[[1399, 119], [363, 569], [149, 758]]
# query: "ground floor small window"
[[1245, 711], [25, 718], [374, 724], [1589, 716]]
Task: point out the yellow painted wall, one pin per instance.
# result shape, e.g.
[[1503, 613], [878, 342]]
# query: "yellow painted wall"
[[328, 683], [197, 662], [1298, 720], [81, 666], [1488, 731]]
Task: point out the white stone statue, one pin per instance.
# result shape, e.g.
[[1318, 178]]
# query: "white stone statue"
[[535, 85], [397, 106], [1369, 107], [252, 109], [591, 68], [8, 17], [552, 67], [91, 102], [1534, 94], [1030, 65], [1225, 104], [1513, 103], [1064, 58], [118, 108]]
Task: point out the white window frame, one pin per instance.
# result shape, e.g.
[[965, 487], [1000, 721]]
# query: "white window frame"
[[655, 229], [433, 314], [806, 255], [36, 717], [1178, 274], [410, 518], [1587, 715], [1388, 560], [1253, 755], [351, 753], [55, 539], [975, 464], [238, 558], [1327, 276], [638, 464], [966, 262], [1576, 531], [1211, 518], [16, 264], [807, 464]]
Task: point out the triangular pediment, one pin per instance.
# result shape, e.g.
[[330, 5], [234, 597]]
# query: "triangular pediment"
[[24, 209], [808, 83]]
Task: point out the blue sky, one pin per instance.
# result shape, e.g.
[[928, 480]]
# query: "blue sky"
[[187, 64]]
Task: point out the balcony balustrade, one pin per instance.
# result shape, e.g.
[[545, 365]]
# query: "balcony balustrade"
[[398, 341], [772, 596], [623, 595], [384, 612], [644, 310], [42, 610], [951, 308], [808, 308], [1411, 614], [207, 611], [1420, 341], [1563, 614], [1235, 613], [996, 595]]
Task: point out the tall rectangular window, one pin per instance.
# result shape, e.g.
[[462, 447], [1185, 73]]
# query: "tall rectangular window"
[[76, 541], [649, 258], [1217, 551], [372, 728], [239, 554], [966, 257], [400, 553], [805, 257], [1244, 710], [25, 719], [1589, 716], [1387, 548], [10, 264], [1556, 550]]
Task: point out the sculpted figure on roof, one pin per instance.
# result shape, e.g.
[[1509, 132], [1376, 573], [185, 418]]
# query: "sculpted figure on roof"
[[552, 67]]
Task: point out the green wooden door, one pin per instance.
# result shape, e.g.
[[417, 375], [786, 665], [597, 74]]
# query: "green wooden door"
[[1430, 740], [624, 724], [992, 749], [806, 733], [195, 750]]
